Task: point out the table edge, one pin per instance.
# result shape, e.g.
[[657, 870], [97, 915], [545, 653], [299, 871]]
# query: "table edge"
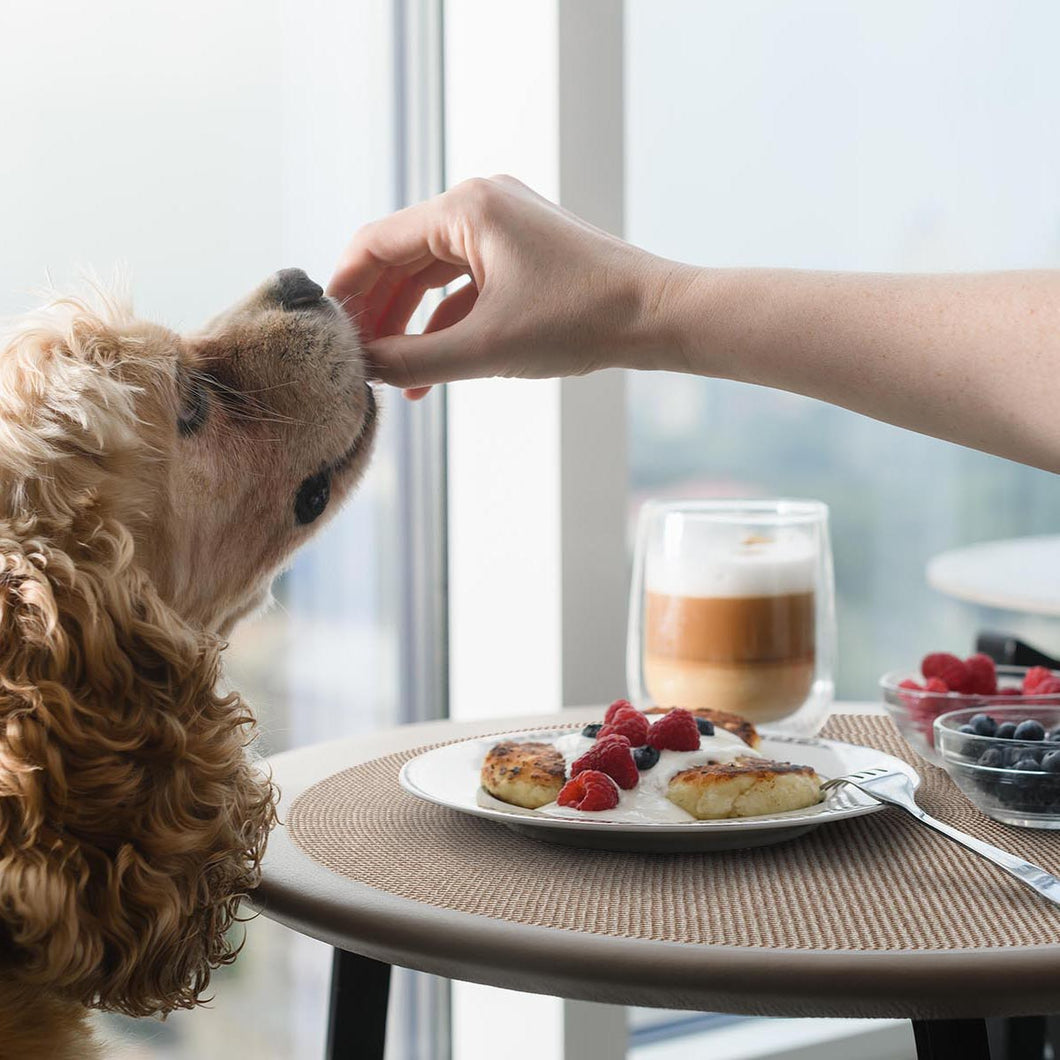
[[307, 897]]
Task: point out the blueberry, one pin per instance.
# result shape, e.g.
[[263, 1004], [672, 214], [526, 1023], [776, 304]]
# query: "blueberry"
[[984, 725], [592, 731], [968, 730], [993, 757], [1028, 764], [1054, 736], [987, 784], [1030, 730], [1012, 756], [1051, 762], [645, 757], [706, 727], [1006, 730]]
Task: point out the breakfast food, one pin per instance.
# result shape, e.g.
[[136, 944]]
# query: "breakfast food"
[[1015, 761], [589, 791], [687, 766], [975, 676], [612, 755], [721, 719], [735, 627], [747, 787], [524, 774]]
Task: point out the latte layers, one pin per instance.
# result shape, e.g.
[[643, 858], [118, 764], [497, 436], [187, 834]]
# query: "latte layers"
[[734, 631]]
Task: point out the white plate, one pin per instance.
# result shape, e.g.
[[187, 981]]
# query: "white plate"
[[449, 776]]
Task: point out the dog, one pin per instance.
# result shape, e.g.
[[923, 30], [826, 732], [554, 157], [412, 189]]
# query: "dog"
[[151, 487]]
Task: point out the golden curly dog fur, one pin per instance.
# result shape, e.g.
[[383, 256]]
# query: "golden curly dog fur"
[[151, 486]]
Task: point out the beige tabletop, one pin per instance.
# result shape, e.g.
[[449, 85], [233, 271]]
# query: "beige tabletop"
[[960, 982]]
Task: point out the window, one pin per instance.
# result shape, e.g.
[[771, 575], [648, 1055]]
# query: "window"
[[871, 136], [204, 145], [876, 136]]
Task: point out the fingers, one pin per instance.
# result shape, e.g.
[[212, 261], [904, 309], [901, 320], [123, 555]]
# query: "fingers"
[[450, 311], [394, 316], [425, 231], [368, 307], [439, 355], [453, 308], [415, 361], [390, 265]]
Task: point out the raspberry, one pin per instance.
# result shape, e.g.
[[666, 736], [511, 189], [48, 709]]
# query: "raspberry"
[[610, 755], [589, 790], [1034, 677], [935, 662], [1049, 687], [948, 667], [619, 704], [923, 709], [629, 723], [911, 685], [676, 731], [1009, 692], [982, 675]]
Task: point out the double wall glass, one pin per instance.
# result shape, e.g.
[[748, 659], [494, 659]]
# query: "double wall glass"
[[732, 608]]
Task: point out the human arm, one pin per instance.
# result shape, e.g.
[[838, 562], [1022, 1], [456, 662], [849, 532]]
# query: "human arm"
[[970, 358]]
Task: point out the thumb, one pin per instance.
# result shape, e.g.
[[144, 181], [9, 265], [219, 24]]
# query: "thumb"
[[412, 361]]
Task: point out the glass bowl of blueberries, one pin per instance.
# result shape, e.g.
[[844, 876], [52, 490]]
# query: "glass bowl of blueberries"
[[1006, 759]]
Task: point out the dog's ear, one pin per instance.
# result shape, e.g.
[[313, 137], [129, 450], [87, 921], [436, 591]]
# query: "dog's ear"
[[63, 390], [82, 390], [130, 818]]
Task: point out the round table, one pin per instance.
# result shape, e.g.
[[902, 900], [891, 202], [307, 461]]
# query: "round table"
[[946, 993], [1021, 574]]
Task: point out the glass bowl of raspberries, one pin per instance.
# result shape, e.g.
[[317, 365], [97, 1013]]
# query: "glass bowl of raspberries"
[[947, 683], [1006, 759]]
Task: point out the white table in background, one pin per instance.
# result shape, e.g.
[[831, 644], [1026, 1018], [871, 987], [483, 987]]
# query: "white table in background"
[[1020, 574]]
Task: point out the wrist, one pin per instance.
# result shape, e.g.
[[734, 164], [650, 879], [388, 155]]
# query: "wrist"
[[663, 338]]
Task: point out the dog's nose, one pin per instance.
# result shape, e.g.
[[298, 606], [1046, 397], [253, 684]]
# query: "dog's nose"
[[296, 290]]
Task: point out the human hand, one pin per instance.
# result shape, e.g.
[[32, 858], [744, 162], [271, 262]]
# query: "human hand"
[[548, 294]]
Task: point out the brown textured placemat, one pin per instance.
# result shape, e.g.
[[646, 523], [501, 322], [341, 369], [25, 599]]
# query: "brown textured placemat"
[[878, 882]]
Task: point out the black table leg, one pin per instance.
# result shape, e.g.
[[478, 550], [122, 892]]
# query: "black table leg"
[[360, 988], [951, 1040], [1026, 1038], [1017, 1038]]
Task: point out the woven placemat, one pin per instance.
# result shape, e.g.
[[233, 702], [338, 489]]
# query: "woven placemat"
[[878, 882]]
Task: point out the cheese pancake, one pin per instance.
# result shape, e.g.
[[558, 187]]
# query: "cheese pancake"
[[721, 719], [524, 774], [747, 787]]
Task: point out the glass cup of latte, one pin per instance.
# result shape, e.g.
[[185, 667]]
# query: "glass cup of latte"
[[732, 607]]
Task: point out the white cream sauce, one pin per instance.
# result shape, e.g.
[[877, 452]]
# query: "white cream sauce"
[[647, 802]]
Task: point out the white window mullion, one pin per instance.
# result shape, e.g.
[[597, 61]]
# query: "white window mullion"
[[537, 472]]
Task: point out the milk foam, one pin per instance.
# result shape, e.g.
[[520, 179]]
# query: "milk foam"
[[698, 561]]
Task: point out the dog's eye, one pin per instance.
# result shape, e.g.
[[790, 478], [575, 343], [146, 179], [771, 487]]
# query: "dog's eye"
[[312, 498], [194, 404]]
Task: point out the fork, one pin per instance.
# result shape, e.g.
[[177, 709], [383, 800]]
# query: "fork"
[[891, 786]]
